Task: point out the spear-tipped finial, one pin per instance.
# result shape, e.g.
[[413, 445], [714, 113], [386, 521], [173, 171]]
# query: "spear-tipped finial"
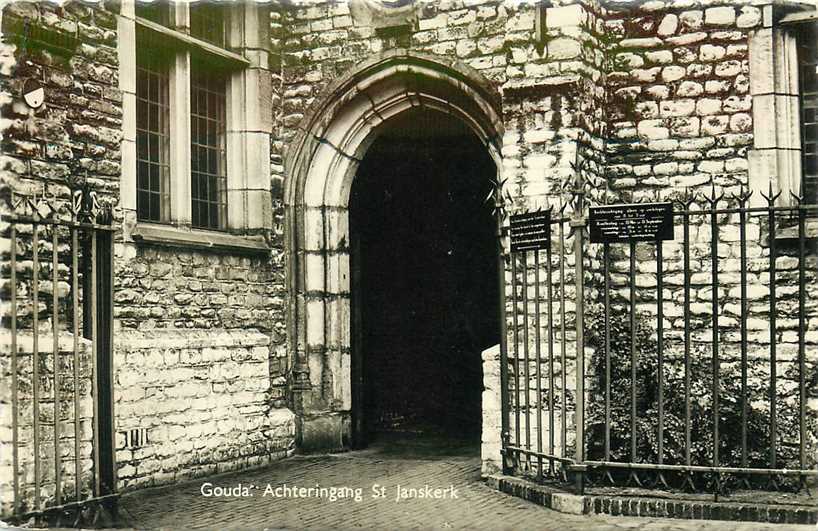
[[714, 198], [743, 196], [770, 196], [687, 199]]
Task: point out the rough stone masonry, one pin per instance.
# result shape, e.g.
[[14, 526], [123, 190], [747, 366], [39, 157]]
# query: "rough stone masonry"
[[234, 348]]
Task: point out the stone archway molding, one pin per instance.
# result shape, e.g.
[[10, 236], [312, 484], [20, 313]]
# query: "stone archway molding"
[[320, 166]]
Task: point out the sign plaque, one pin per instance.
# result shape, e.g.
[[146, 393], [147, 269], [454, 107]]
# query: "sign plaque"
[[531, 231], [638, 222]]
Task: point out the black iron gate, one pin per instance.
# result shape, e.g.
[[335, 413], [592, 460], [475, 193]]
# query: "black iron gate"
[[643, 362], [57, 369]]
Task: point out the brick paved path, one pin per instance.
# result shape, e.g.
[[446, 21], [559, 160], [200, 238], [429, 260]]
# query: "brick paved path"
[[477, 506]]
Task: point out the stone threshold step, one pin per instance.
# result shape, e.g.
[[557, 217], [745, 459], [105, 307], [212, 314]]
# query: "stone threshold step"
[[650, 507]]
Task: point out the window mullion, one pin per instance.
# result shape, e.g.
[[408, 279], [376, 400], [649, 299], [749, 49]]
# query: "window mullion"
[[180, 139]]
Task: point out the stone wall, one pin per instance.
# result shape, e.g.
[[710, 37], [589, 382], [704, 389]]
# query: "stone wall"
[[680, 86], [84, 414], [197, 402], [76, 133], [491, 434], [188, 318], [161, 288]]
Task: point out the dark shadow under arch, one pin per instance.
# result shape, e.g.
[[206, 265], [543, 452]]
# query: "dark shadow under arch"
[[424, 278]]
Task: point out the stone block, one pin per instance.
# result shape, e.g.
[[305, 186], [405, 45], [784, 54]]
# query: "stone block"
[[710, 53], [652, 130], [749, 17], [668, 25], [720, 16], [659, 57], [689, 89], [676, 108], [564, 16], [569, 503], [692, 19], [708, 106], [561, 49], [673, 73]]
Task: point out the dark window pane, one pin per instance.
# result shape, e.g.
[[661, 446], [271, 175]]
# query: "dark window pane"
[[208, 22], [208, 176], [808, 79], [156, 11], [142, 203], [152, 137]]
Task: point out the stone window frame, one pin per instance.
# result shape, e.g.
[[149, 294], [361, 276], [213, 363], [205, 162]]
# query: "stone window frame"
[[776, 156], [248, 128]]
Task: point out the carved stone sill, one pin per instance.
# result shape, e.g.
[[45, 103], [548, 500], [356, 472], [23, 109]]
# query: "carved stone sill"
[[169, 236]]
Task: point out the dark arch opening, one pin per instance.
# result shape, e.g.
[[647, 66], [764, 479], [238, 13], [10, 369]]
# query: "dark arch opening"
[[424, 279]]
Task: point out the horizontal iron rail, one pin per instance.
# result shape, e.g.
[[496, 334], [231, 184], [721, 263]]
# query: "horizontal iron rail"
[[699, 468], [656, 466], [532, 453], [736, 210], [70, 505], [707, 211], [10, 218]]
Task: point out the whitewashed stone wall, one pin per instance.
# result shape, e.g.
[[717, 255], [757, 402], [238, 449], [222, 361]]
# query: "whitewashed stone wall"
[[202, 398], [25, 401]]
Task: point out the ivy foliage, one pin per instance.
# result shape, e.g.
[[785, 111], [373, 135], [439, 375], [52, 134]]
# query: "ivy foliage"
[[700, 400]]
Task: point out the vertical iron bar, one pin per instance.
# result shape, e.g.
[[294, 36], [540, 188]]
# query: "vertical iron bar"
[[632, 283], [579, 226], [76, 361], [14, 404], [516, 351], [550, 291], [109, 349], [743, 260], [56, 340], [538, 354], [526, 371], [660, 349], [607, 273], [563, 347], [714, 259], [686, 274], [773, 334], [802, 294], [94, 353], [501, 280], [35, 357]]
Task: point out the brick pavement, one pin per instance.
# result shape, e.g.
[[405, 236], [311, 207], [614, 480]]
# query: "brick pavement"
[[477, 506]]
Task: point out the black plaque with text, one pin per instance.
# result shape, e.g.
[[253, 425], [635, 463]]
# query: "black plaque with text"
[[638, 222], [531, 231]]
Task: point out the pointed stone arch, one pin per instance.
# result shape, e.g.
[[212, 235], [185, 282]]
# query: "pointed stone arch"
[[320, 166]]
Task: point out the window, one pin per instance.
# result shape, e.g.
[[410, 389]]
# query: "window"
[[157, 11], [808, 81], [197, 121], [207, 148], [208, 22], [784, 105], [195, 136], [152, 138]]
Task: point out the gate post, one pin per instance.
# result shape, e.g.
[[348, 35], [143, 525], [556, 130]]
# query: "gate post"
[[578, 228]]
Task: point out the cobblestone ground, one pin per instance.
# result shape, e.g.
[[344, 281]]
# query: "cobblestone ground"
[[411, 465]]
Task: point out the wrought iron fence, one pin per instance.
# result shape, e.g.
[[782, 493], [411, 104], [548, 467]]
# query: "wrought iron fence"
[[57, 364], [615, 351]]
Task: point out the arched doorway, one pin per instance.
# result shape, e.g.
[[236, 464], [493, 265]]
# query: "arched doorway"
[[424, 279], [321, 165]]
